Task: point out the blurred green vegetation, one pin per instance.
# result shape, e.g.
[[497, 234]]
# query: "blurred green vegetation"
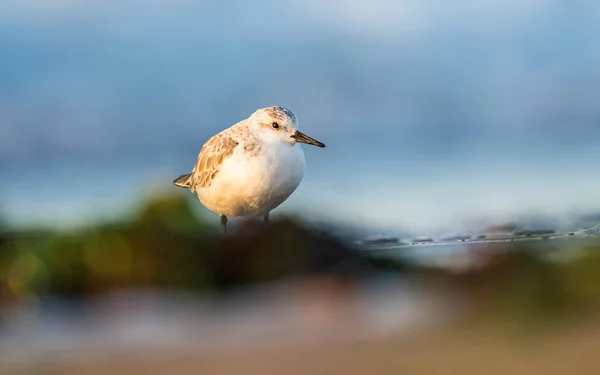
[[523, 288], [165, 245]]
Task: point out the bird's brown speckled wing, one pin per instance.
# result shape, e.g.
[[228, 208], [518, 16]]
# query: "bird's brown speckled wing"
[[212, 154]]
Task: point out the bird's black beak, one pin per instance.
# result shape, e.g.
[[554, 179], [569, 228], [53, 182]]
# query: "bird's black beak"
[[303, 138]]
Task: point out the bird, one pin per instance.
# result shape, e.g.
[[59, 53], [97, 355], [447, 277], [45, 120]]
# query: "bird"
[[250, 168]]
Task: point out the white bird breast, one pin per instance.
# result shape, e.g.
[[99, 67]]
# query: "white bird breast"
[[254, 185]]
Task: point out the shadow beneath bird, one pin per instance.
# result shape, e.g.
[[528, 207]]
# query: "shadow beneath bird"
[[261, 252]]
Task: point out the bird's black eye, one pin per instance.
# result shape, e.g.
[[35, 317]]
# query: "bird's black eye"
[[275, 125]]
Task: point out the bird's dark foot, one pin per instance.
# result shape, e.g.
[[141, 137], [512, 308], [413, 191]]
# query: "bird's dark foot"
[[266, 217], [224, 223]]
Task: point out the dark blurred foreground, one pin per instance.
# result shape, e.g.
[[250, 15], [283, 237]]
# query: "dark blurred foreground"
[[163, 291], [166, 246]]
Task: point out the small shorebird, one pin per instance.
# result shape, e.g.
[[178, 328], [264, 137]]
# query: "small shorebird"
[[250, 168]]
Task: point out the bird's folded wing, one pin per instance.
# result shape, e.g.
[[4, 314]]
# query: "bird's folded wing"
[[212, 154]]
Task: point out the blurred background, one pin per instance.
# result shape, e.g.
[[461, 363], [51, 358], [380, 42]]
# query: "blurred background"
[[439, 117]]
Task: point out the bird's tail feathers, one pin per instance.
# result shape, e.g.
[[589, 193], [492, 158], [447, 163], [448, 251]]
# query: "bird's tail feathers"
[[183, 180]]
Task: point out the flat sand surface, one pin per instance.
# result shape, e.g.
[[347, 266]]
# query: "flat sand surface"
[[441, 351]]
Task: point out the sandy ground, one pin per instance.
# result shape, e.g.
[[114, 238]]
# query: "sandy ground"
[[441, 351]]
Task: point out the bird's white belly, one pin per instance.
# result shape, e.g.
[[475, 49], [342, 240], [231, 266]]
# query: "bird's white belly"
[[254, 185]]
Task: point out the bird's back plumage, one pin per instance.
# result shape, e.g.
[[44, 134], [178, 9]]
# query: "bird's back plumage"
[[210, 159]]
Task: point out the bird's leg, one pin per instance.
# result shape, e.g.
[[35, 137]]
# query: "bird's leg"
[[266, 217], [224, 223]]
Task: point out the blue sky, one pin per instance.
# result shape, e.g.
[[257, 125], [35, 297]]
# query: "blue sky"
[[434, 113]]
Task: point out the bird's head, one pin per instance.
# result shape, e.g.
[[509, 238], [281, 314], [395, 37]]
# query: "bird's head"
[[279, 124]]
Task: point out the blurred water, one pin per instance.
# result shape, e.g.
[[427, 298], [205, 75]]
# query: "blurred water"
[[467, 255], [432, 113], [80, 188], [416, 190]]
